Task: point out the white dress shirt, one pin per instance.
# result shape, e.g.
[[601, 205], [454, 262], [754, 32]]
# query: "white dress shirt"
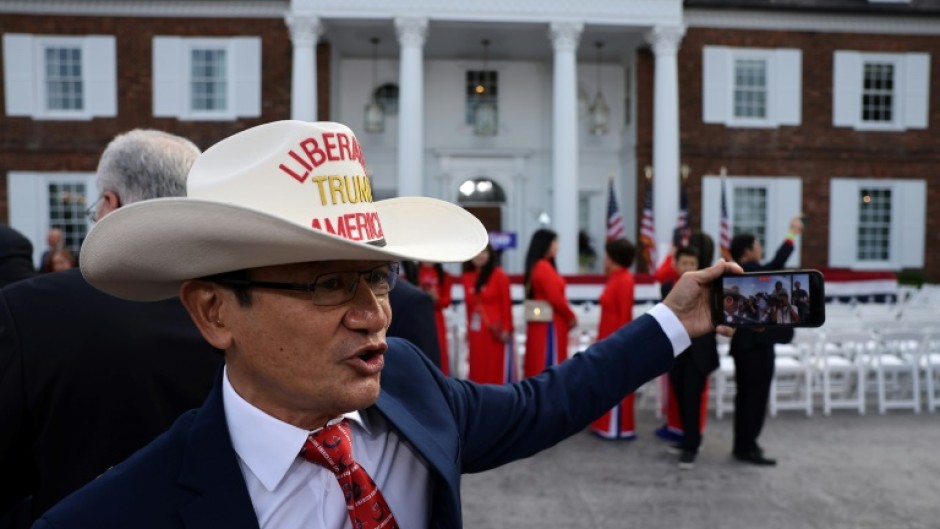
[[289, 492]]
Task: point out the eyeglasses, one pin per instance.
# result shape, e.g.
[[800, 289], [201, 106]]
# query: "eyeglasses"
[[334, 288], [92, 211]]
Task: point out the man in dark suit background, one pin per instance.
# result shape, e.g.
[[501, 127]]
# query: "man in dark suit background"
[[753, 352], [86, 379], [16, 256], [414, 319]]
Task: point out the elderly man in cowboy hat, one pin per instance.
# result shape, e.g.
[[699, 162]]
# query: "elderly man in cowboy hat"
[[317, 419]]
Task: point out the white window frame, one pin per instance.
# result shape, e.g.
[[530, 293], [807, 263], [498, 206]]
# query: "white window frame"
[[172, 79], [911, 99], [25, 75], [784, 86], [908, 223], [29, 202], [784, 200]]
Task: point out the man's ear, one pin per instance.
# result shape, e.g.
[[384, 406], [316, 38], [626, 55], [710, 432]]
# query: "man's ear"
[[205, 301]]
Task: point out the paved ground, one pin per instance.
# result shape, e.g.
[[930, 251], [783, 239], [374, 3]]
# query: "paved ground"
[[843, 471]]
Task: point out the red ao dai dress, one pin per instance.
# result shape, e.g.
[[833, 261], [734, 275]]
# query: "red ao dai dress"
[[547, 342], [489, 314]]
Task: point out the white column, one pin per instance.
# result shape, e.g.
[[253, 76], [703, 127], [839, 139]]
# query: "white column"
[[411, 35], [665, 41], [565, 36], [304, 32]]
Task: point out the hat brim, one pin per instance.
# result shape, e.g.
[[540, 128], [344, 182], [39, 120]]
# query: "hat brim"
[[145, 250]]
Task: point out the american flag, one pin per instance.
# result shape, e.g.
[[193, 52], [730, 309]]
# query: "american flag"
[[724, 230], [615, 229], [647, 233]]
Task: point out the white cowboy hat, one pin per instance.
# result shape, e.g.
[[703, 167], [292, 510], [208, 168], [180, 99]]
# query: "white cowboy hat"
[[283, 192]]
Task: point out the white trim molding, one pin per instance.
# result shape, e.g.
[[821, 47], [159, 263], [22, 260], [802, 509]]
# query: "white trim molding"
[[875, 23]]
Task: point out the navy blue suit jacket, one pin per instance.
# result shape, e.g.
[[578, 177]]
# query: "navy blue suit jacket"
[[189, 477], [413, 319]]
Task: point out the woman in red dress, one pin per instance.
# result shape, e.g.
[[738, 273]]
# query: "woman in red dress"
[[546, 342], [489, 320], [433, 280], [616, 303]]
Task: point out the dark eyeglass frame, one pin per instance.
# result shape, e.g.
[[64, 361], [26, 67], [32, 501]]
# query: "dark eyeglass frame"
[[91, 212], [390, 278]]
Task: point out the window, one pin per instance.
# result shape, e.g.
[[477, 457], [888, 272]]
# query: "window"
[[206, 78], [880, 91], [482, 87], [209, 81], [40, 201], [877, 223], [749, 208], [762, 206], [874, 225], [751, 87], [61, 78], [64, 78], [68, 200]]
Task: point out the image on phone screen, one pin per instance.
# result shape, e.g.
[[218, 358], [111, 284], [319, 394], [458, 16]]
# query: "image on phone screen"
[[768, 299]]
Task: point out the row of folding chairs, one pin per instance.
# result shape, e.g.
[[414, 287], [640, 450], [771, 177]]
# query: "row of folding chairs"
[[856, 368]]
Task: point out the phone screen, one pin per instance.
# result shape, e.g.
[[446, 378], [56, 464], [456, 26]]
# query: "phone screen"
[[780, 298]]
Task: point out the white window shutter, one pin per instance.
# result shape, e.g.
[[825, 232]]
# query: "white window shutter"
[[99, 63], [18, 74], [786, 89], [711, 208], [846, 89], [716, 84], [912, 219], [916, 97], [247, 76], [168, 77], [843, 222]]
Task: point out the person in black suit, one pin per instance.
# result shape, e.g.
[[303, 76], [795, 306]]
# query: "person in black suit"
[[86, 379], [753, 352], [414, 319], [16, 256], [689, 374]]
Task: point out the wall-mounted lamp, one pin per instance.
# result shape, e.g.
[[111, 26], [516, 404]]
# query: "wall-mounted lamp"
[[599, 112], [374, 113]]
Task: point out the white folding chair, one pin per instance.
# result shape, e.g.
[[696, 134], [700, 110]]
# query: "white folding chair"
[[723, 380], [896, 364], [930, 363], [792, 385], [840, 358]]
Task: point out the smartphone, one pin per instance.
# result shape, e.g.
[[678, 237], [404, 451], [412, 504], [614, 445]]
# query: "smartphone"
[[781, 298]]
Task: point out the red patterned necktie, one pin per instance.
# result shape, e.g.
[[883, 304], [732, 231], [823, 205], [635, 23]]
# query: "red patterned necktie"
[[331, 447]]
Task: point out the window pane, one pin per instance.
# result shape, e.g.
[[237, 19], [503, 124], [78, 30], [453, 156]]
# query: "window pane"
[[878, 92], [482, 87], [750, 88], [67, 203], [209, 83], [64, 88], [874, 224], [750, 212]]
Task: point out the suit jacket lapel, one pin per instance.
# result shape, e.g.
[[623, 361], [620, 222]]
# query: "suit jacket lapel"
[[210, 468]]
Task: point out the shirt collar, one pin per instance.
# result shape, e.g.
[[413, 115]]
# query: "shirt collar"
[[267, 446]]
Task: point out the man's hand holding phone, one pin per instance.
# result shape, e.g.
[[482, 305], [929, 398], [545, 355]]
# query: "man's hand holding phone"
[[691, 298]]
